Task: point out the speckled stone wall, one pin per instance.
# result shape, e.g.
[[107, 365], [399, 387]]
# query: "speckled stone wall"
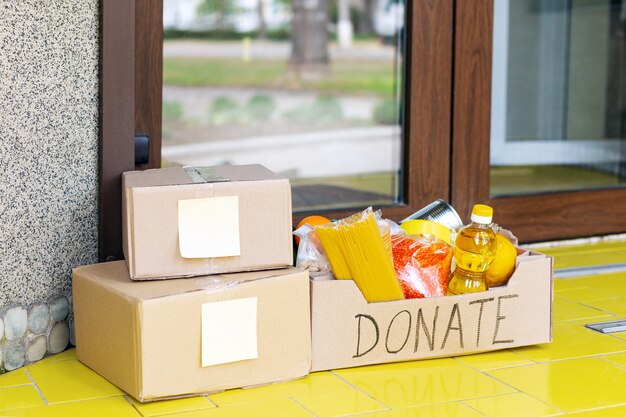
[[48, 148]]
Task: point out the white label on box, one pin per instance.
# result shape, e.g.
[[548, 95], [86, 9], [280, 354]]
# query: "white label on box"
[[209, 227], [229, 331]]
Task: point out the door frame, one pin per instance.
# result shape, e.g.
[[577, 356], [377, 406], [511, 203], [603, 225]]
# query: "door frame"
[[117, 119]]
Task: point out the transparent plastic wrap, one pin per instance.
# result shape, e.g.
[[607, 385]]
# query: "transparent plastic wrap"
[[337, 245], [422, 265], [384, 227], [356, 249], [310, 254]]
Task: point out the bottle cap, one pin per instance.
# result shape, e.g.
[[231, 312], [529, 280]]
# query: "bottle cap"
[[482, 214]]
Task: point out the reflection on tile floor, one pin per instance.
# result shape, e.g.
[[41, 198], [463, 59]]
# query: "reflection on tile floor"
[[423, 382], [572, 341], [569, 385], [580, 373]]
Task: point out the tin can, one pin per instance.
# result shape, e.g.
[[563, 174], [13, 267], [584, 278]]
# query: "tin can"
[[440, 212]]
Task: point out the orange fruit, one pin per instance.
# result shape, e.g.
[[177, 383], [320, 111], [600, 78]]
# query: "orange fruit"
[[311, 221], [503, 264]]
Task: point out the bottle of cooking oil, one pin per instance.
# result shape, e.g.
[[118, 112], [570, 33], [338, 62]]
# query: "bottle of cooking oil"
[[474, 250]]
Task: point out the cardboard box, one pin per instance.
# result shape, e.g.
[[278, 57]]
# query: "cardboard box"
[[176, 338], [347, 331], [181, 222]]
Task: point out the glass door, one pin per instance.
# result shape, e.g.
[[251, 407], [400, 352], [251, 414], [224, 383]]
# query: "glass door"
[[333, 94], [557, 129], [364, 105], [311, 90], [521, 105], [557, 119]]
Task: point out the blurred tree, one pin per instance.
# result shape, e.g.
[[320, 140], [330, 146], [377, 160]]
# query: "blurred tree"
[[309, 34], [365, 24], [262, 30], [218, 9], [345, 29]]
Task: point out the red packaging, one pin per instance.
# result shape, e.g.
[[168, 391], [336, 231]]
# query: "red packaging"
[[422, 265]]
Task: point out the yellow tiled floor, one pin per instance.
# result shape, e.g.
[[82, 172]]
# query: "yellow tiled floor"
[[607, 252], [581, 373]]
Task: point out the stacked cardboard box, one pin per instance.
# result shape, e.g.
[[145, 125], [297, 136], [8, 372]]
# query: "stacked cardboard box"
[[221, 328], [217, 328]]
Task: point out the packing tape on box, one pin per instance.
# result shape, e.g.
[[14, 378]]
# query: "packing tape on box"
[[204, 175], [208, 228]]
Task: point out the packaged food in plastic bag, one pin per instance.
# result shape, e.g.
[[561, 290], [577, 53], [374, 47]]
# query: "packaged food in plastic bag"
[[422, 265], [384, 228], [310, 254], [355, 247]]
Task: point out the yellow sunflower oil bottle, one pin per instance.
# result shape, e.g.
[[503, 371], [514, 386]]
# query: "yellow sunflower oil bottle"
[[474, 250]]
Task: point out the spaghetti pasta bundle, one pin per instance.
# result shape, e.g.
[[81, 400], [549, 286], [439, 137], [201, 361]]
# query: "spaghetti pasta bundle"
[[356, 250]]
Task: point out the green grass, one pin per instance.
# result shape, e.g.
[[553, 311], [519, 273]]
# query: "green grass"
[[172, 110], [343, 76]]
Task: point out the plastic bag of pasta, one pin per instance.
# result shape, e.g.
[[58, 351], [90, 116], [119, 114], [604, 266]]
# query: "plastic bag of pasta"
[[422, 265]]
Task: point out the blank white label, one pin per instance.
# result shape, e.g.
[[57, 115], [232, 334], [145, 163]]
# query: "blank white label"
[[229, 331], [209, 227]]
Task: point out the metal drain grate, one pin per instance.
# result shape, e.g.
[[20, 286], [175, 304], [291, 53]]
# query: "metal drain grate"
[[607, 327]]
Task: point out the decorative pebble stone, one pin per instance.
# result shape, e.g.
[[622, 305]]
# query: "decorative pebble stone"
[[38, 318], [72, 333], [36, 349], [59, 308], [15, 322], [59, 337], [14, 356]]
